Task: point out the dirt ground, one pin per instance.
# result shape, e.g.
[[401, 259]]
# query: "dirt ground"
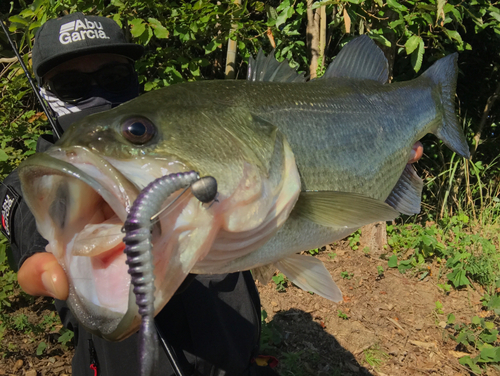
[[386, 325], [392, 319]]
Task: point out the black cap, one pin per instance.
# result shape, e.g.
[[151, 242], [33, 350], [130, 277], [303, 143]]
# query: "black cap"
[[62, 39]]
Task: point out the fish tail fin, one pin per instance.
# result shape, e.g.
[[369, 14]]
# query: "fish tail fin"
[[444, 74]]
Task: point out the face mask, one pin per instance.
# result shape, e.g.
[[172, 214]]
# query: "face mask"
[[97, 100]]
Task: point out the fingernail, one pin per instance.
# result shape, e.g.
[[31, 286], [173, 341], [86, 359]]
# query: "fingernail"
[[413, 154], [49, 282]]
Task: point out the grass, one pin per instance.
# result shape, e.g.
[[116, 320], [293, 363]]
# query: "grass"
[[466, 253], [375, 357]]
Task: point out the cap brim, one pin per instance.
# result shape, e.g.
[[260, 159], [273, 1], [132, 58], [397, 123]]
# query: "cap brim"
[[130, 50]]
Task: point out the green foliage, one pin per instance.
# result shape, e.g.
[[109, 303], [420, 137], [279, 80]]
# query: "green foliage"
[[346, 275], [66, 337], [281, 282], [375, 357], [467, 256], [7, 276], [380, 270], [439, 308], [353, 240], [480, 335], [270, 336], [313, 252], [342, 315], [41, 348]]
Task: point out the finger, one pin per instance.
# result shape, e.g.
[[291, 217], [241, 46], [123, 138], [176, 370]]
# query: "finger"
[[41, 275], [416, 152]]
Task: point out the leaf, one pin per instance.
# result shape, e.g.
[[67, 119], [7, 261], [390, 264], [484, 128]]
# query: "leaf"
[[118, 20], [41, 348], [320, 4], [453, 34], [194, 69], [467, 361], [395, 5], [148, 86], [381, 39], [489, 355], [494, 302], [347, 21], [450, 319], [476, 320], [489, 337], [138, 27], [66, 337], [440, 12], [18, 19], [412, 43], [158, 29], [458, 278], [417, 56], [405, 265], [284, 15], [3, 156], [212, 46], [393, 261]]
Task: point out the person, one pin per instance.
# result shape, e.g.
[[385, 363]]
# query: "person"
[[83, 64]]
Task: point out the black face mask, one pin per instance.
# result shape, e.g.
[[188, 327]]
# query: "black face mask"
[[73, 86], [97, 100]]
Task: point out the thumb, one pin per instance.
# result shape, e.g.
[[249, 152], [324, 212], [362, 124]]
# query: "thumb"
[[42, 275]]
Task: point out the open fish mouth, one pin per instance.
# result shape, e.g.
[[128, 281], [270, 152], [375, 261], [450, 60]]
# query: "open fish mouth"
[[80, 202]]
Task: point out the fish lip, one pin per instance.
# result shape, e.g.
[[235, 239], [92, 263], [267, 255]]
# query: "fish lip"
[[119, 193]]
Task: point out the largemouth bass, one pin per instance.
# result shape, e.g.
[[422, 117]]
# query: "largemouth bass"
[[298, 166]]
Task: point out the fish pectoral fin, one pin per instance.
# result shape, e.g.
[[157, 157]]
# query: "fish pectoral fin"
[[310, 274], [405, 196], [342, 209], [360, 59], [264, 273]]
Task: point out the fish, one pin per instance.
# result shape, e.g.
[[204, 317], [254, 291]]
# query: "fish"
[[298, 165]]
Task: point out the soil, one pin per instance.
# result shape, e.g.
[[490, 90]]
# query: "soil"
[[387, 325]]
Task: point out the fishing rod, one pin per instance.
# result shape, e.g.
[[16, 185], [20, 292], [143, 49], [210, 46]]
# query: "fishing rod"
[[55, 127]]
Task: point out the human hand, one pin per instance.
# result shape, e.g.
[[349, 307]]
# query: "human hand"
[[41, 275], [416, 152]]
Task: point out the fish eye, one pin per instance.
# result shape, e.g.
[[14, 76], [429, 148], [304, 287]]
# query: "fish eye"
[[138, 130]]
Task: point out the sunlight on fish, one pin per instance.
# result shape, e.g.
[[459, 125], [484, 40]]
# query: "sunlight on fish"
[[298, 165]]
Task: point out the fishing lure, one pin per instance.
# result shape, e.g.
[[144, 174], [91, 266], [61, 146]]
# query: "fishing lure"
[[138, 248]]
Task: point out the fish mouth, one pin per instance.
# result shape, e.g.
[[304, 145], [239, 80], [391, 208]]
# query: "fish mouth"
[[77, 197]]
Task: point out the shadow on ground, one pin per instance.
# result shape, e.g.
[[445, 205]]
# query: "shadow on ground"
[[304, 348]]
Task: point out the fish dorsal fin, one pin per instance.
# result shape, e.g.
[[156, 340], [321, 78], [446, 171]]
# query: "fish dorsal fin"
[[405, 196], [360, 59], [269, 69], [310, 274], [342, 209]]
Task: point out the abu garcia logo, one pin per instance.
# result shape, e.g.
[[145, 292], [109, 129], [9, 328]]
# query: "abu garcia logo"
[[78, 30]]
